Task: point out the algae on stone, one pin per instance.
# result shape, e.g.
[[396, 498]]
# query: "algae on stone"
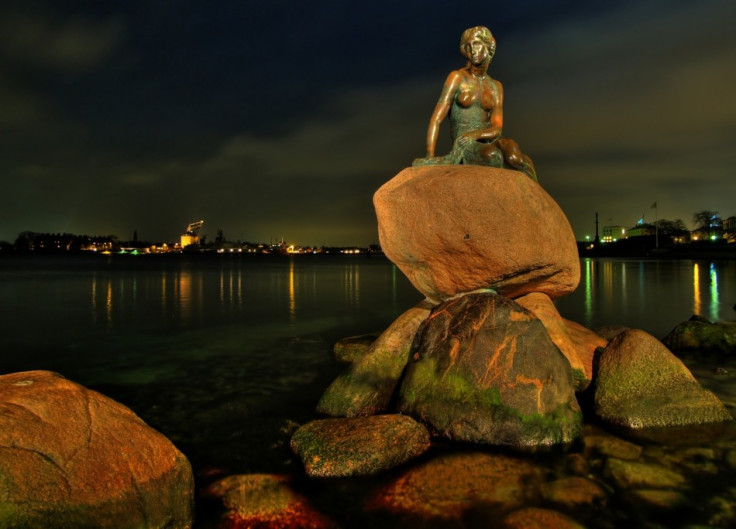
[[486, 371], [367, 386]]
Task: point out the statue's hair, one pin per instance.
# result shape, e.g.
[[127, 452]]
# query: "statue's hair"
[[481, 33]]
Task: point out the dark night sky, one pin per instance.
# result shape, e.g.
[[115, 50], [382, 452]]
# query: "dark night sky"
[[281, 118]]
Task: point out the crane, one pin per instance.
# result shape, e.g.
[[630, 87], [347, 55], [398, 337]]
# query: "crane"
[[194, 227]]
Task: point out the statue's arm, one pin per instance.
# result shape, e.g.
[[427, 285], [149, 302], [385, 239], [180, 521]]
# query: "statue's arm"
[[441, 110]]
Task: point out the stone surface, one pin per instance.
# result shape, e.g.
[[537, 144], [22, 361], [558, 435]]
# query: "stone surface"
[[698, 333], [366, 388], [574, 341], [71, 457], [635, 474], [574, 492], [641, 384], [536, 518], [264, 500], [486, 371], [586, 342], [358, 446], [596, 441], [448, 486], [352, 348], [458, 228], [658, 499]]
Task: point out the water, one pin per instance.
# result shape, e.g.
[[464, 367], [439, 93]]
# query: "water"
[[226, 355]]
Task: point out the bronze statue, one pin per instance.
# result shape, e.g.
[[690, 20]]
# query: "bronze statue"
[[474, 102]]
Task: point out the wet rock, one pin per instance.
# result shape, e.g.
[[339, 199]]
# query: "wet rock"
[[71, 457], [723, 512], [699, 460], [701, 334], [486, 371], [458, 228], [635, 474], [366, 388], [574, 341], [731, 459], [599, 442], [350, 349], [264, 500], [449, 486], [536, 518], [657, 499], [577, 464], [574, 492], [640, 384], [358, 446]]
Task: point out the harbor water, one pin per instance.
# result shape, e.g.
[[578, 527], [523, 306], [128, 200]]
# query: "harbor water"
[[226, 355]]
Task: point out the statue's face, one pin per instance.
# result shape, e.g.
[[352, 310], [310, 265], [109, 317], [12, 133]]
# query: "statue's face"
[[477, 52]]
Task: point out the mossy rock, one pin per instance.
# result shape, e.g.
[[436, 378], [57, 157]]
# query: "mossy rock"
[[368, 385], [486, 371], [264, 500], [700, 334], [640, 384], [352, 348], [358, 446]]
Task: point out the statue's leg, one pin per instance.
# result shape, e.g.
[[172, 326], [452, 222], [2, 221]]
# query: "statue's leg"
[[481, 153], [515, 158]]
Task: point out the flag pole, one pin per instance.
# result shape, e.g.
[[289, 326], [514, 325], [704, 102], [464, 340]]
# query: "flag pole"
[[656, 226]]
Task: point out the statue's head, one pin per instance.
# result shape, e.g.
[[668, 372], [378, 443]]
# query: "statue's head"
[[474, 38]]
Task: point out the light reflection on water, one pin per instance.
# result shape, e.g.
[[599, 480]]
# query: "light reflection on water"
[[220, 354], [649, 294]]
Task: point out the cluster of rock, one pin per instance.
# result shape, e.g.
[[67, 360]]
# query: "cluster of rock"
[[486, 358], [602, 481]]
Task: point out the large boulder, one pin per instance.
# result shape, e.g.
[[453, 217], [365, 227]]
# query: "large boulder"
[[359, 446], [640, 384], [367, 386], [486, 371], [458, 228], [71, 457]]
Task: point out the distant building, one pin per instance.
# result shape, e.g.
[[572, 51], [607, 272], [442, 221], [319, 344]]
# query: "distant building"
[[614, 233], [641, 230], [729, 229]]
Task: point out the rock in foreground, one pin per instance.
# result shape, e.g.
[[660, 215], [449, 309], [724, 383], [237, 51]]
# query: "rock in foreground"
[[641, 384], [486, 371], [458, 228], [358, 446], [447, 487], [71, 457], [264, 500]]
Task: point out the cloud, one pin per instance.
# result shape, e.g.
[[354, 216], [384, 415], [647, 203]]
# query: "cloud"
[[46, 39]]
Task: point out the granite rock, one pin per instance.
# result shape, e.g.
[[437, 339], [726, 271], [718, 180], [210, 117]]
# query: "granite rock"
[[367, 386], [486, 371], [459, 228], [359, 446], [641, 384], [71, 457]]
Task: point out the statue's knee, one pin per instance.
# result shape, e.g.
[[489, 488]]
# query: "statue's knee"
[[514, 159]]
